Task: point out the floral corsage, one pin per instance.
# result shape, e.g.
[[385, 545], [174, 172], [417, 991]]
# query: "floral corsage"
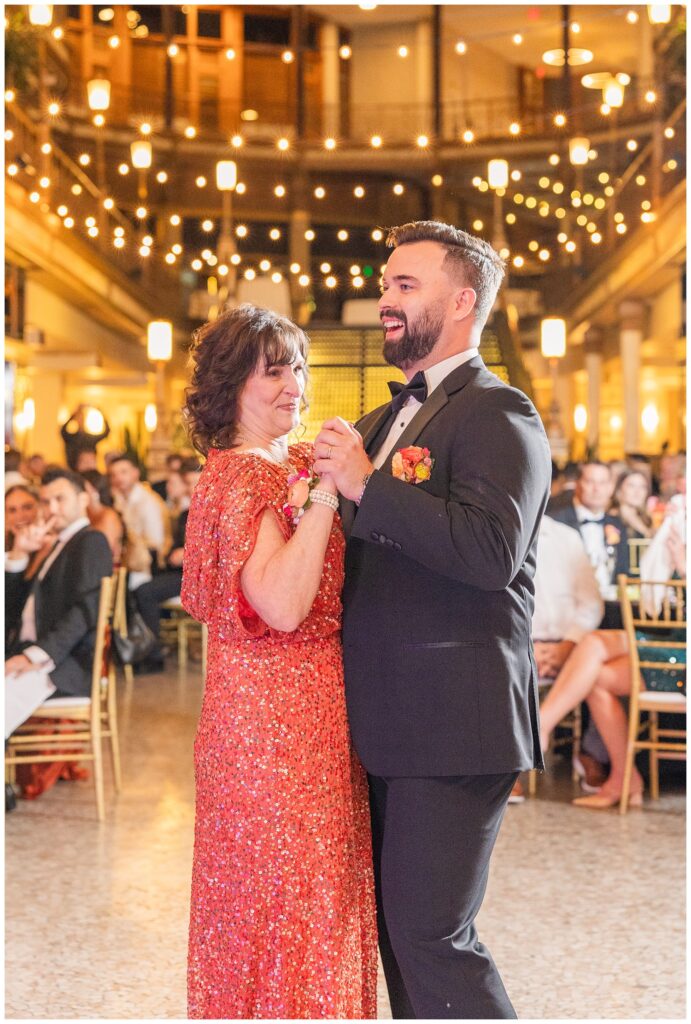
[[298, 499], [612, 535], [413, 465]]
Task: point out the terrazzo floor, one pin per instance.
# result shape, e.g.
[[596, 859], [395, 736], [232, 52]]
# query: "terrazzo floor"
[[584, 912]]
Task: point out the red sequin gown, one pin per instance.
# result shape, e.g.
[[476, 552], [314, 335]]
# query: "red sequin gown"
[[282, 915]]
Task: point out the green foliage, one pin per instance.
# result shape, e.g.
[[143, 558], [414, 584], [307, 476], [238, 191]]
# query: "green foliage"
[[136, 447], [21, 50]]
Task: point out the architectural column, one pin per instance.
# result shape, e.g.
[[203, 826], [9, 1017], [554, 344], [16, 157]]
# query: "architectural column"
[[631, 333], [646, 59], [424, 76], [592, 345], [300, 249], [230, 72], [331, 79], [192, 111]]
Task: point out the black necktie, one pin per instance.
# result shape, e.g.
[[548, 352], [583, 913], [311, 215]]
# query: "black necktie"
[[400, 393]]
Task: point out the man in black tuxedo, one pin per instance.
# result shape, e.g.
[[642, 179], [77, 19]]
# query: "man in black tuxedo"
[[56, 599], [440, 677]]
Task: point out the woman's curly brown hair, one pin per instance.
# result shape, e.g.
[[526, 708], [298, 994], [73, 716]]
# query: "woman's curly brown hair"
[[225, 354]]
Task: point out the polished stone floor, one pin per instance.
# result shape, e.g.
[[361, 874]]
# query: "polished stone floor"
[[584, 912]]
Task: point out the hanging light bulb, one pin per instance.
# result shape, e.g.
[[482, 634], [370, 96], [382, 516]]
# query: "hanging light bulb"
[[659, 14], [578, 151], [498, 173], [141, 154]]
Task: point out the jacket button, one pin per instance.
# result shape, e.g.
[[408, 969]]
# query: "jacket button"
[[397, 546], [389, 542], [382, 538], [374, 535]]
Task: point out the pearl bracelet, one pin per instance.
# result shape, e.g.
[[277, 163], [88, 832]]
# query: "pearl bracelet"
[[318, 497]]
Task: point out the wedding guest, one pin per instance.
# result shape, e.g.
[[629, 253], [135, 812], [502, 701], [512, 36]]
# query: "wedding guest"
[[282, 914], [173, 462], [564, 495], [568, 604], [77, 438], [21, 509], [146, 518], [598, 671], [58, 598], [629, 504], [13, 469], [36, 466], [101, 513]]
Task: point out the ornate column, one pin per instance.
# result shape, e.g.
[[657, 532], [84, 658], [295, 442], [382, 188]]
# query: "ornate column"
[[299, 248], [424, 75], [631, 333], [592, 346], [331, 79]]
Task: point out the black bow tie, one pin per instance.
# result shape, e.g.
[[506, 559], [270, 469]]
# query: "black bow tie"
[[400, 393], [598, 520]]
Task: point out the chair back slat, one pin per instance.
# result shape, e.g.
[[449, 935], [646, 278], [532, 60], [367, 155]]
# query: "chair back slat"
[[647, 606], [637, 547]]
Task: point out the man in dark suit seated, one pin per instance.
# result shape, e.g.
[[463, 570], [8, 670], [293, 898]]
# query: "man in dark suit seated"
[[606, 545], [53, 592], [166, 584]]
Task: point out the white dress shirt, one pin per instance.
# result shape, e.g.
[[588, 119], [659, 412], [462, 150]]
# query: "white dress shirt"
[[28, 628], [567, 597], [593, 534], [434, 376], [147, 522]]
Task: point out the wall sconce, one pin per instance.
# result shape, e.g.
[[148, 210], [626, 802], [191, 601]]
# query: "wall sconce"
[[553, 337], [580, 418], [98, 93], [579, 148], [498, 173], [159, 340], [141, 154], [150, 417]]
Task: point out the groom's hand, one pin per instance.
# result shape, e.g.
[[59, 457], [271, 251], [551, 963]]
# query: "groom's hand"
[[341, 453]]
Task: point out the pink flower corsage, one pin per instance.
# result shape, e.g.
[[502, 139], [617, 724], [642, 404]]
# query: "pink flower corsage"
[[612, 535], [298, 498], [413, 465]]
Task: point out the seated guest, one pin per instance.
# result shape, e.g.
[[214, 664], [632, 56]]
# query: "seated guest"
[[13, 469], [77, 438], [57, 597], [173, 461], [598, 672], [562, 491], [36, 467], [146, 518], [568, 604], [629, 504], [21, 509], [166, 584], [102, 515]]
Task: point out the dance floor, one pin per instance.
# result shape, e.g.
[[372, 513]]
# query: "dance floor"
[[584, 912]]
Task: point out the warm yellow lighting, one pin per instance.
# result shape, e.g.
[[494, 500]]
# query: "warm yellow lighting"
[[235, 259], [578, 151], [650, 418], [468, 135], [398, 189], [515, 175], [94, 422], [230, 53], [44, 182], [510, 218], [113, 42], [580, 418], [560, 120], [596, 238], [376, 141], [118, 231], [319, 192], [342, 235], [62, 210], [76, 189], [54, 109], [141, 154], [422, 141], [197, 264], [287, 56], [150, 417], [280, 191], [359, 192], [98, 93], [58, 33], [35, 197], [190, 132], [226, 175], [237, 141], [358, 281], [403, 51], [240, 188], [531, 202], [174, 219], [377, 235], [330, 143], [250, 274], [575, 28], [478, 225], [159, 340], [274, 234], [99, 120], [310, 235], [325, 267], [616, 422], [570, 246], [558, 187], [669, 133], [92, 232], [173, 50], [10, 95], [177, 249], [90, 222], [515, 128], [147, 240], [277, 277], [223, 270], [554, 159], [330, 282], [650, 96], [498, 173], [12, 170], [345, 52], [265, 265], [461, 47], [505, 253], [659, 14], [84, 159], [304, 280], [41, 15], [577, 57], [241, 231], [517, 39], [295, 268], [553, 337], [355, 270], [518, 262], [68, 222], [648, 217], [283, 144], [141, 212], [632, 17], [544, 255], [145, 128], [200, 181], [621, 229], [29, 413]]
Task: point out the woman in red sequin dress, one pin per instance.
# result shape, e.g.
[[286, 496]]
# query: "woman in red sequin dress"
[[282, 915]]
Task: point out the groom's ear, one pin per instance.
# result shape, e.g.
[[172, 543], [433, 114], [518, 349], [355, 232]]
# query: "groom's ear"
[[464, 303]]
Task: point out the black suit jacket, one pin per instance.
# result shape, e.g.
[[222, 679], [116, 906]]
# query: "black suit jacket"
[[438, 600], [567, 515], [66, 608]]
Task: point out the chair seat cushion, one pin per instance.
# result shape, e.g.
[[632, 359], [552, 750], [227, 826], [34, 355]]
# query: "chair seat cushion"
[[64, 702], [657, 697]]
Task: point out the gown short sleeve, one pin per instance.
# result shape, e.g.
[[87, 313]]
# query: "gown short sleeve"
[[226, 510]]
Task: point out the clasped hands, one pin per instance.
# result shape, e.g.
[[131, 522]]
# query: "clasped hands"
[[341, 457]]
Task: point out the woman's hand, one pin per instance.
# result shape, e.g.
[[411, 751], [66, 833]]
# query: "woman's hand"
[[327, 483], [31, 538]]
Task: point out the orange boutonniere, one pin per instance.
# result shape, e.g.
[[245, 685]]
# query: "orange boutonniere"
[[612, 535], [413, 465]]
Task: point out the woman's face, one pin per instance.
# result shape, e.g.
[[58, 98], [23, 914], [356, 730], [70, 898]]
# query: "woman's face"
[[269, 404], [634, 490], [21, 509]]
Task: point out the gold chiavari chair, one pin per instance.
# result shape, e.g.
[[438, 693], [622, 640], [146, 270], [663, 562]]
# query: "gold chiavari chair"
[[120, 615], [181, 626], [654, 614], [73, 728], [637, 548]]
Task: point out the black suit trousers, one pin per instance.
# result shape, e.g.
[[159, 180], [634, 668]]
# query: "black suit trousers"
[[432, 840]]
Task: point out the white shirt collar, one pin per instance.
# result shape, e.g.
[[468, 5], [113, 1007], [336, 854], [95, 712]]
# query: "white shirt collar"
[[583, 514], [434, 375], [73, 528]]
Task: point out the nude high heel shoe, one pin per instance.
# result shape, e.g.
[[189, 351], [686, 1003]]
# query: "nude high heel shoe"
[[603, 801]]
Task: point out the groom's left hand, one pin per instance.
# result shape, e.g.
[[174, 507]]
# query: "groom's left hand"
[[340, 452]]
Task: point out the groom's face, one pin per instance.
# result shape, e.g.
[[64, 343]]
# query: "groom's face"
[[417, 297]]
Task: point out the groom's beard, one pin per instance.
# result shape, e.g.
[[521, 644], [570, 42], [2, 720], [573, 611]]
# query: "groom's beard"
[[418, 340]]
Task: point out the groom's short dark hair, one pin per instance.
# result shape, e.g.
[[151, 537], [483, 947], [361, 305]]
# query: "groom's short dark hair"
[[467, 256]]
